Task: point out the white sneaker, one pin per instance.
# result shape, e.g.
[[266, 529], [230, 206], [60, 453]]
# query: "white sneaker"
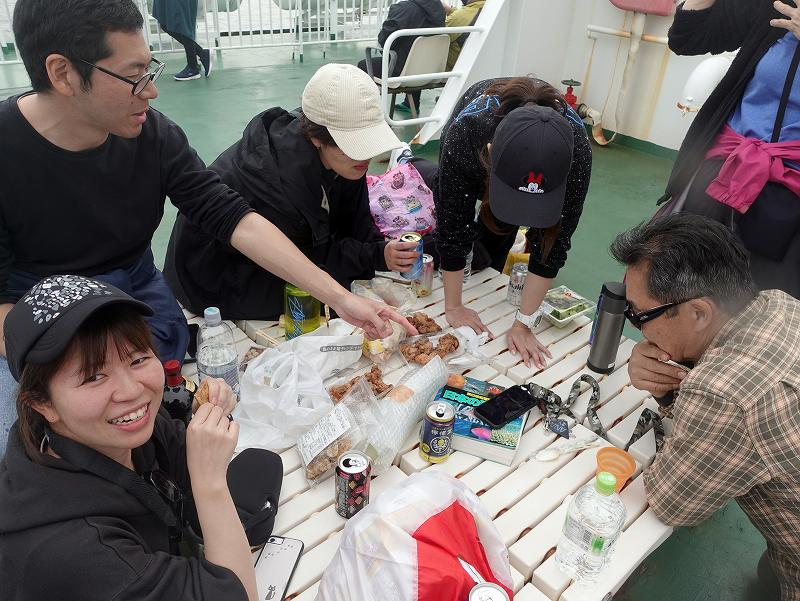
[[400, 155]]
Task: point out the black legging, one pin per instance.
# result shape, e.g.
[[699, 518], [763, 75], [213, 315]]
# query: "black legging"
[[192, 48]]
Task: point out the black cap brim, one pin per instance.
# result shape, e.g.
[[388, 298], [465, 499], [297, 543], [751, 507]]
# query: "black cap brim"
[[516, 207], [55, 340]]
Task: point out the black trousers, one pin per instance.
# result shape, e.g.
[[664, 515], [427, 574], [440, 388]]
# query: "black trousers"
[[490, 249], [377, 68], [191, 47]]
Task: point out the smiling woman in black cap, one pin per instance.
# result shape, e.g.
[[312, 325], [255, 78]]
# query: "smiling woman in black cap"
[[514, 145], [95, 490]]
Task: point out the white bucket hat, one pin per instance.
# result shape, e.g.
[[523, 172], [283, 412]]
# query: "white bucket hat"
[[343, 99]]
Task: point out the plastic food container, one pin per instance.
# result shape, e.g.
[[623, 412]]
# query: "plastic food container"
[[561, 305]]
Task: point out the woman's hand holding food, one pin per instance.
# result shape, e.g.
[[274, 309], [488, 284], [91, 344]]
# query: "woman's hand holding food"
[[210, 442], [217, 392]]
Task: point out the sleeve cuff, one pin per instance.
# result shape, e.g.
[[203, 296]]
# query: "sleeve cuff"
[[541, 270], [382, 266], [453, 263]]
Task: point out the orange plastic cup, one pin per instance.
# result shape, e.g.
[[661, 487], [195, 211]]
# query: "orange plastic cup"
[[618, 462]]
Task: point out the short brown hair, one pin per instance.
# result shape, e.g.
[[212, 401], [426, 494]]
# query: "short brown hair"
[[121, 323], [313, 130]]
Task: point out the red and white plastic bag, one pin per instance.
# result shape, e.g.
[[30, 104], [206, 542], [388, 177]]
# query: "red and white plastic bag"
[[426, 539]]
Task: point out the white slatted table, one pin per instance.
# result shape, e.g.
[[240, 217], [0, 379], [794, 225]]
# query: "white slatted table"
[[526, 500]]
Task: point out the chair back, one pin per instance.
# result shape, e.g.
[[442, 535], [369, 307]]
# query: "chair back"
[[428, 54]]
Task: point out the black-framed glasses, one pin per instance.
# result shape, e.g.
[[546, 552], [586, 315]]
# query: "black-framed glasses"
[[137, 85], [639, 319]]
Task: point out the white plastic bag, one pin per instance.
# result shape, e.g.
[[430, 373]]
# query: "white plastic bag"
[[417, 542], [282, 391]]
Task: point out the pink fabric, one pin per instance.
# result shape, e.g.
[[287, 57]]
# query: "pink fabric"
[[749, 165]]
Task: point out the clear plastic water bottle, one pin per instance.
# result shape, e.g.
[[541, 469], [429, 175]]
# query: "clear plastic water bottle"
[[216, 352], [595, 518]]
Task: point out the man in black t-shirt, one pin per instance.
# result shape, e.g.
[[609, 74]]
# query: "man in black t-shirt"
[[87, 166]]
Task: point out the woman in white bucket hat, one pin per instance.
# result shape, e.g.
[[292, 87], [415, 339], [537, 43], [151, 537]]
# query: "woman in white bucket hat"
[[305, 170]]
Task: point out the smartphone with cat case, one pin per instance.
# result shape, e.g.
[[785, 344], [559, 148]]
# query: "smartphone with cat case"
[[275, 567]]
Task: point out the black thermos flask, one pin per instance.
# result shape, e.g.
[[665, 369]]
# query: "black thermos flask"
[[607, 328]]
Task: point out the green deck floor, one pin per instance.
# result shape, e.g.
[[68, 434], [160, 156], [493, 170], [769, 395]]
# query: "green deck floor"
[[712, 562]]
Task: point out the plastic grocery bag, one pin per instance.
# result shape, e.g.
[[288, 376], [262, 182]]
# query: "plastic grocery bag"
[[282, 393], [426, 539]]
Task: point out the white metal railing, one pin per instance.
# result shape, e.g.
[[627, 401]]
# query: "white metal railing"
[[232, 24], [387, 81]]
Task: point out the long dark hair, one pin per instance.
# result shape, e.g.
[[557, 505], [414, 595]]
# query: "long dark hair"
[[514, 93], [118, 323]]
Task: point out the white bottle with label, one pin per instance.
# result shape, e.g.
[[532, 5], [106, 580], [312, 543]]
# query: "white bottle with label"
[[594, 521], [216, 352]]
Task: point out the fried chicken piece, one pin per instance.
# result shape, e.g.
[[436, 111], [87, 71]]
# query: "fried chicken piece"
[[374, 378], [447, 344], [424, 324], [424, 358]]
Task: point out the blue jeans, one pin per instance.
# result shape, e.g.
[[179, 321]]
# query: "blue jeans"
[[8, 399]]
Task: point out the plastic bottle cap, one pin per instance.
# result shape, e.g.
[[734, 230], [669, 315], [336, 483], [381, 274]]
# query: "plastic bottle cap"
[[172, 366], [212, 316], [605, 483]]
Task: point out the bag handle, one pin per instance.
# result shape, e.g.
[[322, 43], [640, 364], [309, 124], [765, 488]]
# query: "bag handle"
[[787, 90]]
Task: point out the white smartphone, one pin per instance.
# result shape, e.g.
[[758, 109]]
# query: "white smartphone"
[[275, 567]]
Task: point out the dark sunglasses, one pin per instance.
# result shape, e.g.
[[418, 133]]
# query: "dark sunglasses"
[[639, 319], [168, 490], [137, 85]]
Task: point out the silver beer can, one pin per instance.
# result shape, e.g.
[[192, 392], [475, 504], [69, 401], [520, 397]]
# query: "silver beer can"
[[517, 282], [487, 591]]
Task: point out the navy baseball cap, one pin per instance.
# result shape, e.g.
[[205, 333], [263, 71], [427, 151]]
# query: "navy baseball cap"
[[531, 158], [43, 322]]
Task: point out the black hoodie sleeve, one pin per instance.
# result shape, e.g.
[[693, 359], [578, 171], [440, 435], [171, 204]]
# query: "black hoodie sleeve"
[[357, 248], [722, 27]]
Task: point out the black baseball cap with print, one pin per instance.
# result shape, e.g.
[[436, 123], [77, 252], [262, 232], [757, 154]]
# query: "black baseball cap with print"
[[531, 157], [43, 322]]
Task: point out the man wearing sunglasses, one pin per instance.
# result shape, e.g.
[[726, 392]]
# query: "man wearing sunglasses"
[[736, 414], [87, 166]]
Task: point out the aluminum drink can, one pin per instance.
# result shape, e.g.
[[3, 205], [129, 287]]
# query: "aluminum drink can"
[[488, 591], [416, 269], [423, 286], [352, 483], [301, 312], [437, 432], [516, 283]]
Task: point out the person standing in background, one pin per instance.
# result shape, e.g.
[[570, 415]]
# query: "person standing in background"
[[178, 19], [740, 161]]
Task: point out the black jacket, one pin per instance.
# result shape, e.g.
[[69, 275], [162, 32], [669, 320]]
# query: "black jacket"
[[279, 173], [85, 528], [409, 14], [726, 26]]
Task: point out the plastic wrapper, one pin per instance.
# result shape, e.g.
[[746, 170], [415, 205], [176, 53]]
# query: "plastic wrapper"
[[459, 349], [392, 293], [336, 433], [345, 427], [401, 410], [374, 378]]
